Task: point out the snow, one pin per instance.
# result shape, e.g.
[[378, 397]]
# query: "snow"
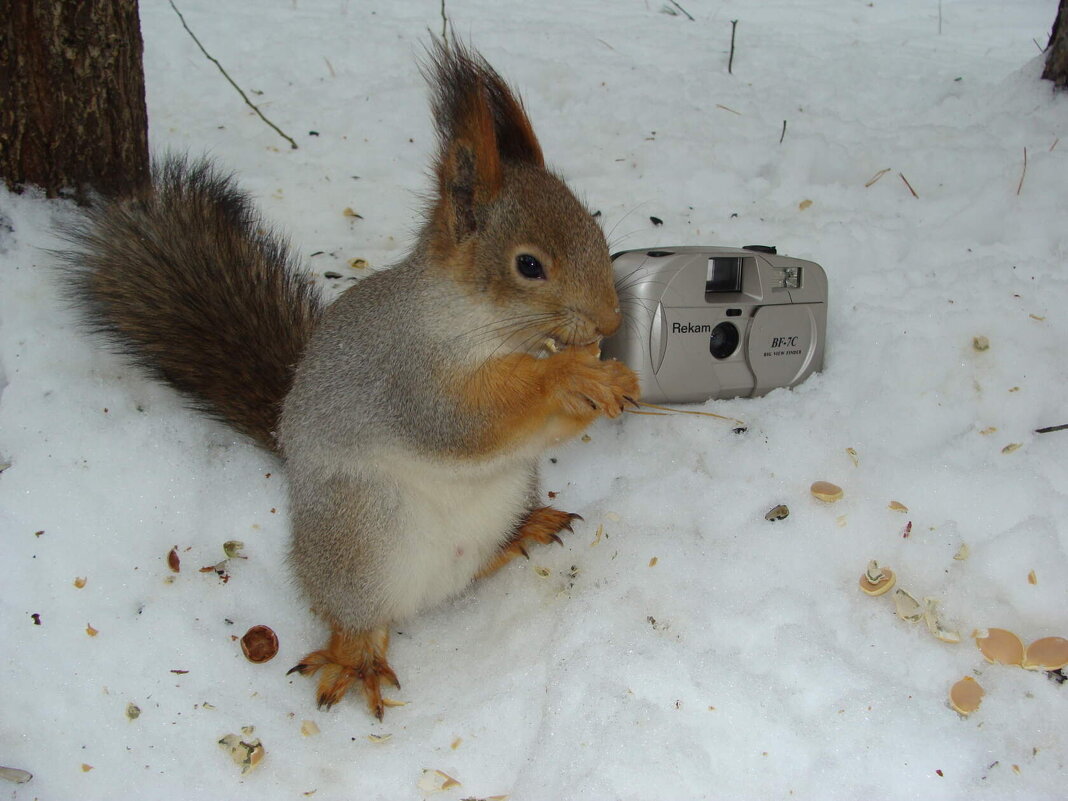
[[743, 662]]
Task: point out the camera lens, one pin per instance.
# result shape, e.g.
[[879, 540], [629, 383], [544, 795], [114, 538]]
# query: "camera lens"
[[724, 340]]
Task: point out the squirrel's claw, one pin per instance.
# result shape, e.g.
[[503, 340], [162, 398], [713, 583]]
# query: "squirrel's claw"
[[541, 526], [351, 656], [571, 517]]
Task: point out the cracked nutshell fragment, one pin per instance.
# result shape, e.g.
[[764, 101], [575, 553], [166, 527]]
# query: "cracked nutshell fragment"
[[965, 696], [16, 775], [877, 580], [434, 781], [934, 622], [1049, 653], [826, 491], [259, 644], [246, 753], [999, 645], [780, 512], [907, 607]]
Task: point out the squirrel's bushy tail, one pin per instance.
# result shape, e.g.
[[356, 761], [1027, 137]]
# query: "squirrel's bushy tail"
[[186, 280]]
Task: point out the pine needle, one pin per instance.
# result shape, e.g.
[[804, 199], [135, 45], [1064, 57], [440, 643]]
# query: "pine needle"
[[1023, 174], [906, 180], [683, 10], [876, 177], [688, 411]]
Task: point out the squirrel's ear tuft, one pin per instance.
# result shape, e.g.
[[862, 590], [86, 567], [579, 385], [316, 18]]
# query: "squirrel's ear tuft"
[[480, 125], [515, 135]]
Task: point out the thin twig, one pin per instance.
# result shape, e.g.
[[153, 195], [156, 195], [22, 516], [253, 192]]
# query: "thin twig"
[[683, 10], [1051, 429], [783, 136], [728, 108], [730, 61], [226, 75], [876, 177], [444, 24], [906, 180], [1023, 174]]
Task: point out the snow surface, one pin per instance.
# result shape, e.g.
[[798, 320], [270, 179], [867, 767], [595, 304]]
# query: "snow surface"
[[743, 662]]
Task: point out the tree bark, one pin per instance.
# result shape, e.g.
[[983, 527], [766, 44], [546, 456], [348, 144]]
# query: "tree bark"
[[1057, 57], [72, 96]]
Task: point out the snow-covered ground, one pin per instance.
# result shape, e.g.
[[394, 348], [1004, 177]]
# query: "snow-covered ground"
[[693, 650]]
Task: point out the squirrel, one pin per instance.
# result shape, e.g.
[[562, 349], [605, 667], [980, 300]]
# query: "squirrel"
[[410, 413]]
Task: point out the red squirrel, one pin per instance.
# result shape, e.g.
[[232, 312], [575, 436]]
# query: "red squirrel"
[[411, 412]]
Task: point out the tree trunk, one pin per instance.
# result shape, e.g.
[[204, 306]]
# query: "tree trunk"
[[1057, 58], [72, 96]]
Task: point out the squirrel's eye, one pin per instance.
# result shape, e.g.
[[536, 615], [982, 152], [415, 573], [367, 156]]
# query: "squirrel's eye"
[[529, 267]]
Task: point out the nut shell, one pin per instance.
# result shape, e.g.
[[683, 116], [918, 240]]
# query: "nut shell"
[[260, 644], [826, 491], [966, 695], [907, 607], [1049, 653], [1000, 645], [880, 587], [780, 512]]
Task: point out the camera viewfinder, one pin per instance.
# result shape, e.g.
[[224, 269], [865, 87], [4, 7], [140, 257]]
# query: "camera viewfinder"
[[724, 274]]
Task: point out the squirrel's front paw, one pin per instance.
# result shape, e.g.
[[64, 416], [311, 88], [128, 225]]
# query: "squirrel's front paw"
[[603, 386]]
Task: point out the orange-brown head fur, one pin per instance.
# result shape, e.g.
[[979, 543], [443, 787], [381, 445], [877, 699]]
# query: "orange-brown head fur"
[[495, 203]]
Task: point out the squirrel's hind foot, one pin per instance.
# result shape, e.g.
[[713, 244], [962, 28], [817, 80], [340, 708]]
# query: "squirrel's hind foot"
[[541, 526], [351, 656]]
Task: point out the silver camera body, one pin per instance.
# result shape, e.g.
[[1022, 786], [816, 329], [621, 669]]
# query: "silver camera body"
[[715, 322]]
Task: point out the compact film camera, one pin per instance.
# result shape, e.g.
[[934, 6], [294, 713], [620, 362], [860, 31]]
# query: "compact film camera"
[[715, 322]]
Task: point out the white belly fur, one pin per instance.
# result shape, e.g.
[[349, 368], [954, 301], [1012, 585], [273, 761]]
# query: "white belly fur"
[[454, 517]]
